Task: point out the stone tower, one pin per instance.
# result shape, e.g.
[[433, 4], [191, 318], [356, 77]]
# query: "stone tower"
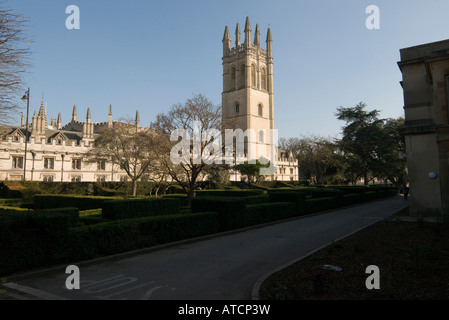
[[247, 98]]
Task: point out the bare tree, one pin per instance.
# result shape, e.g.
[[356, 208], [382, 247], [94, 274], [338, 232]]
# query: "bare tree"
[[194, 128], [135, 150], [14, 55]]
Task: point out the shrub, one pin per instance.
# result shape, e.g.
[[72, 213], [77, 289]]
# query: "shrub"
[[320, 204], [137, 208], [118, 236], [44, 201], [267, 212], [229, 193], [230, 210], [92, 212], [10, 202], [184, 201], [298, 198], [71, 215], [32, 239], [92, 219], [257, 199], [349, 199]]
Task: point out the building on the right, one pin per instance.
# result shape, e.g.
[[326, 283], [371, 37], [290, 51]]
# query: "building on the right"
[[425, 83]]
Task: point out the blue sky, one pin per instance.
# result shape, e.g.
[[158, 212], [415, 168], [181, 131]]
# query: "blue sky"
[[149, 55]]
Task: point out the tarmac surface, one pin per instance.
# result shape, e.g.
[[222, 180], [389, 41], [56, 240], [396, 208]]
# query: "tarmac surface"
[[227, 266]]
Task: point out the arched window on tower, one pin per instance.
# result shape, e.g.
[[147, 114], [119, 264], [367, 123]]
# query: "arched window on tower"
[[261, 136], [260, 110], [233, 78], [253, 75], [263, 76], [237, 108], [242, 75]]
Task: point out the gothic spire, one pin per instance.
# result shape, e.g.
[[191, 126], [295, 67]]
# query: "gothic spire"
[[226, 40], [74, 115], [59, 124], [257, 37], [237, 35], [247, 33]]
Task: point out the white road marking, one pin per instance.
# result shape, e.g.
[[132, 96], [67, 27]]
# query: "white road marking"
[[35, 292], [148, 295], [123, 291]]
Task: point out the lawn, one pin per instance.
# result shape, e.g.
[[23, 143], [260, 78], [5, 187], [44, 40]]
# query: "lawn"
[[412, 258]]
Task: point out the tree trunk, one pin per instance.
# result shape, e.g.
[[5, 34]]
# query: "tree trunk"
[[134, 188]]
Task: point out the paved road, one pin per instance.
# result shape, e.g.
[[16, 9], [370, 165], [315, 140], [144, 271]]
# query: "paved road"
[[220, 268]]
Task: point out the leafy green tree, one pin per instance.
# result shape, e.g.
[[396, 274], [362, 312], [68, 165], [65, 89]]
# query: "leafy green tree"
[[371, 146], [319, 158], [252, 170]]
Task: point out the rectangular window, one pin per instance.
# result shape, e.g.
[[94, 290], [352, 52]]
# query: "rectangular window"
[[101, 179], [48, 179], [76, 179], [291, 170], [101, 165], [49, 163], [123, 178], [17, 162], [76, 164]]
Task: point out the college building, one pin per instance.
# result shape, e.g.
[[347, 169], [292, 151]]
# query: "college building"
[[56, 152], [425, 73]]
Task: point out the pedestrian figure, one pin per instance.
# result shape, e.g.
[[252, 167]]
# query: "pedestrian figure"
[[406, 190]]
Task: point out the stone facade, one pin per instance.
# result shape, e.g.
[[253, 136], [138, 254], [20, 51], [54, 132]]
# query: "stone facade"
[[248, 99], [425, 72], [54, 152]]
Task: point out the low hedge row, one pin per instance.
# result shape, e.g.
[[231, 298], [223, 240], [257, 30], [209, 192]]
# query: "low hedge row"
[[229, 193], [268, 212], [230, 210], [182, 197], [298, 198], [137, 208], [32, 243], [41, 201], [31, 239], [320, 204]]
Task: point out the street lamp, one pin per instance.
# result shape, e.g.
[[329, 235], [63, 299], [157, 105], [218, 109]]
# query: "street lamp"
[[26, 97]]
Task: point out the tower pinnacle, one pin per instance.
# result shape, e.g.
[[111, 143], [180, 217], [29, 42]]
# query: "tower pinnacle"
[[257, 37], [247, 33], [237, 35]]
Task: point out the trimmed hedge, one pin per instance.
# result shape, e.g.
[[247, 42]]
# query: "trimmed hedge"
[[354, 198], [257, 199], [320, 204], [33, 239], [182, 197], [10, 202], [137, 208], [32, 242], [298, 198], [71, 214], [229, 193], [44, 201], [125, 235], [230, 210], [267, 212]]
